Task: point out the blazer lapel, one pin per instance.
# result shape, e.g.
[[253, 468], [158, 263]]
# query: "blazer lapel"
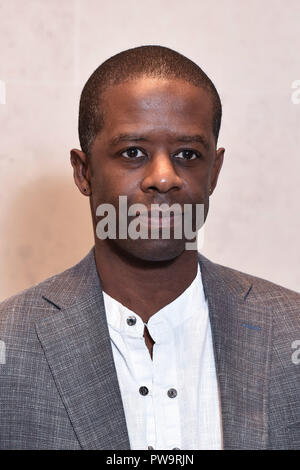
[[76, 342], [241, 331]]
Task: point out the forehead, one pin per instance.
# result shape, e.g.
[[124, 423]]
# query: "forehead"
[[155, 105]]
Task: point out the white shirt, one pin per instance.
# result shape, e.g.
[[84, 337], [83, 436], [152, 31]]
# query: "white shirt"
[[178, 405]]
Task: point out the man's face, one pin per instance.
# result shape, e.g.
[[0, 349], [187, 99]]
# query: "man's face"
[[157, 146]]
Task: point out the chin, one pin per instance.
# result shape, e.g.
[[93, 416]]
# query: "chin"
[[151, 250]]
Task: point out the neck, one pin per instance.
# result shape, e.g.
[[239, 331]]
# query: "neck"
[[144, 286]]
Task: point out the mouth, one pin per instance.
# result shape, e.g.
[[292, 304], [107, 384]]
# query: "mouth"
[[161, 219]]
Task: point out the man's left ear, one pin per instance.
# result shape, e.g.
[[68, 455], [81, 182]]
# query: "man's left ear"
[[80, 163], [216, 169]]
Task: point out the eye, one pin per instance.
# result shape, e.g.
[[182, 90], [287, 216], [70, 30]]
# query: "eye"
[[187, 155], [133, 152]]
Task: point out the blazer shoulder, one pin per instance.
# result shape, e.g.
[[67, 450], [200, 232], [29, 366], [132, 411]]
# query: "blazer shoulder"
[[278, 303], [29, 304], [256, 288]]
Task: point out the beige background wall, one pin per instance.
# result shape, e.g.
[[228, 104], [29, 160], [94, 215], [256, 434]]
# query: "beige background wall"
[[250, 49]]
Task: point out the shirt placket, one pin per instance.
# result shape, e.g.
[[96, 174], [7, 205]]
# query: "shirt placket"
[[166, 390], [142, 366]]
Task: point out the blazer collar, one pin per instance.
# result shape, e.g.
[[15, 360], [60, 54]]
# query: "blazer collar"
[[76, 342]]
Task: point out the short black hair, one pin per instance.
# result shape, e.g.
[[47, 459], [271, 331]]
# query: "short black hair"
[[150, 61]]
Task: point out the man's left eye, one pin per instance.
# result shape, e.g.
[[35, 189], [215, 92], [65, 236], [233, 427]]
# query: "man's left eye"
[[187, 155]]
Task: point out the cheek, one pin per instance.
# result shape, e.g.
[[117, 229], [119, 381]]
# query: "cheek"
[[196, 188], [108, 185]]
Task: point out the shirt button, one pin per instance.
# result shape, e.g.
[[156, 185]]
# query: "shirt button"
[[172, 393], [143, 391], [131, 321]]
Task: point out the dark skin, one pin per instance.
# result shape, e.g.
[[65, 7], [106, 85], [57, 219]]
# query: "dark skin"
[[166, 154]]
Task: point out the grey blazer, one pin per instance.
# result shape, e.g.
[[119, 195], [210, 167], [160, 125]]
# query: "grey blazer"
[[58, 383]]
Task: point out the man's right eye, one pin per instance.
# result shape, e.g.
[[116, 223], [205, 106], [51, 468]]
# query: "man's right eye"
[[133, 152]]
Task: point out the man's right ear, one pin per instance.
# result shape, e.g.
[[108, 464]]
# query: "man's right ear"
[[81, 173]]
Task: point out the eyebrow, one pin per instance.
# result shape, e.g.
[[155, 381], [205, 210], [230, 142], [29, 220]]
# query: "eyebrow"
[[194, 138], [138, 138], [127, 137]]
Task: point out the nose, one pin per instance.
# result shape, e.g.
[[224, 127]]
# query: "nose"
[[161, 175]]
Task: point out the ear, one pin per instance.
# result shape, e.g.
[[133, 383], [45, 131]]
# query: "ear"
[[81, 166], [218, 162]]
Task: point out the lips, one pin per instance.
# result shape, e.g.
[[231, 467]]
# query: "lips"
[[160, 219], [158, 212]]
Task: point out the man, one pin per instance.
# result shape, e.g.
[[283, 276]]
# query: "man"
[[146, 344]]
